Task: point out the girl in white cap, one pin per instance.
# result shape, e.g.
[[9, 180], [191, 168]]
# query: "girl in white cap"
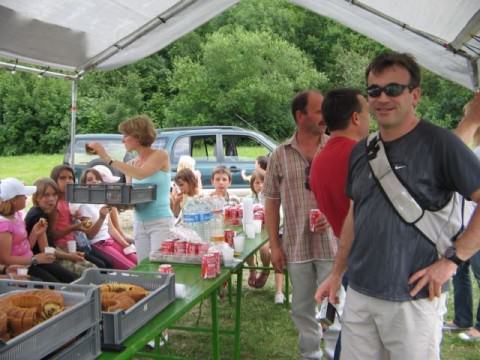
[[15, 245]]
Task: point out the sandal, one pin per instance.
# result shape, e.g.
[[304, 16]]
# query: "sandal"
[[262, 279], [252, 279]]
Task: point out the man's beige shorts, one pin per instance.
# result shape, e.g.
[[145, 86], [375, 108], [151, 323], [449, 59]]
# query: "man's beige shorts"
[[387, 330]]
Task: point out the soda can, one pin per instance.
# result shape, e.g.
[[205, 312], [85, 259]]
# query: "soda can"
[[191, 248], [314, 215], [218, 260], [179, 247], [209, 268], [229, 235], [167, 247], [165, 269]]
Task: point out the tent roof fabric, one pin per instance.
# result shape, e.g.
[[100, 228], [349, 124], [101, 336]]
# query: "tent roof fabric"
[[443, 35], [76, 36]]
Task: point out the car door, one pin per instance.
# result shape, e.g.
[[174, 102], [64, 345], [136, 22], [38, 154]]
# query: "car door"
[[239, 154], [202, 148]]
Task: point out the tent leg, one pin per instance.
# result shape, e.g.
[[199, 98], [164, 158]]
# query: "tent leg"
[[73, 122]]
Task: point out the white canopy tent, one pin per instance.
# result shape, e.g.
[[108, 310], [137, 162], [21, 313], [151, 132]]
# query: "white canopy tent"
[[69, 37]]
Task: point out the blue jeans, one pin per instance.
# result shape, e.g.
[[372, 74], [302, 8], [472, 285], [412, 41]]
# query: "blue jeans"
[[462, 293]]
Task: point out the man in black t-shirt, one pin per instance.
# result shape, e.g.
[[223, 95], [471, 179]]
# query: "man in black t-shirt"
[[393, 305]]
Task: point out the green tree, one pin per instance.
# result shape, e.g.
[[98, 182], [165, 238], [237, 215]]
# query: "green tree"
[[241, 75]]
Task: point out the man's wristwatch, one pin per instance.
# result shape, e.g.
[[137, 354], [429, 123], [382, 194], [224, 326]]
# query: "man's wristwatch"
[[34, 261], [451, 254]]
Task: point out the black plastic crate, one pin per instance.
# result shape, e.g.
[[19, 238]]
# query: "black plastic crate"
[[111, 194]]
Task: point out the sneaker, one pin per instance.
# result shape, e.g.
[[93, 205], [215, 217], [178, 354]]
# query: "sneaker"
[[470, 335], [279, 298], [451, 326]]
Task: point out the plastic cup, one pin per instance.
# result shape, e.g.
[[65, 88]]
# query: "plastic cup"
[[22, 271], [227, 253], [250, 230], [238, 244], [72, 246], [50, 250], [257, 224]]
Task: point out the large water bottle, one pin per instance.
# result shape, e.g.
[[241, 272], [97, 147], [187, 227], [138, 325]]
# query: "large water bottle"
[[191, 216], [205, 211]]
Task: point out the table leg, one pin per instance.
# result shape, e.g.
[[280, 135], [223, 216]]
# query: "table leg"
[[237, 313], [215, 337]]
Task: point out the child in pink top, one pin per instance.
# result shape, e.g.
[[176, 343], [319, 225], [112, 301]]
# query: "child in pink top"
[[15, 245], [61, 227]]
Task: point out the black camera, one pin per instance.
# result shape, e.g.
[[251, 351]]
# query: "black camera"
[[326, 317]]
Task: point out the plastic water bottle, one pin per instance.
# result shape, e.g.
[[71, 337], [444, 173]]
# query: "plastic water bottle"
[[191, 216], [205, 211]]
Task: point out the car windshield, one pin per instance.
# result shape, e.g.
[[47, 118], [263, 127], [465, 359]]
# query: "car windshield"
[[114, 148]]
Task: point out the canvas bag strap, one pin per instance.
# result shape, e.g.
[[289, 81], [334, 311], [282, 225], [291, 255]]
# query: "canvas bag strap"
[[440, 227]]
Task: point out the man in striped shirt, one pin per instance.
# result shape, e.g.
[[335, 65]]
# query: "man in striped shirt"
[[307, 255]]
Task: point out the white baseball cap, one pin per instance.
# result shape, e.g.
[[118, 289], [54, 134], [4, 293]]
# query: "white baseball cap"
[[11, 187], [106, 174]]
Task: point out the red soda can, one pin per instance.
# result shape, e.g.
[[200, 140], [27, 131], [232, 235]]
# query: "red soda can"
[[191, 248], [209, 268], [165, 269], [314, 215], [179, 247], [218, 260], [167, 247], [229, 235]]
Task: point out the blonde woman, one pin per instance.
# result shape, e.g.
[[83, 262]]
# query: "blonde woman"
[[152, 219]]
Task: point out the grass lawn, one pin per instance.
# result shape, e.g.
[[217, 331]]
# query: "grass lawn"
[[28, 168], [267, 329]]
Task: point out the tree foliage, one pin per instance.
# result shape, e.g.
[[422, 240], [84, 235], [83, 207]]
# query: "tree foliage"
[[241, 68], [241, 76]]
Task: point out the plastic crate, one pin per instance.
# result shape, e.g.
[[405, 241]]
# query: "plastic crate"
[[117, 326], [111, 194], [85, 347], [82, 312]]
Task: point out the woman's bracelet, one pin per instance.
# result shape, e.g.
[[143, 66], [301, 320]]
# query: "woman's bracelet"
[[110, 162]]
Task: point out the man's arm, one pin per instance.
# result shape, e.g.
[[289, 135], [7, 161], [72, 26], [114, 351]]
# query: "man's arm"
[[329, 287], [471, 120], [272, 223], [443, 269]]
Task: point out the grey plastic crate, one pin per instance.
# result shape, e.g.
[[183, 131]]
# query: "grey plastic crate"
[[85, 347], [111, 194], [117, 326], [82, 312]]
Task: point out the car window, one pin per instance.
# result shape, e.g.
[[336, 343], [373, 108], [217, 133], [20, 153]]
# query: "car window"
[[181, 147], [114, 148], [203, 148], [160, 143], [242, 148]]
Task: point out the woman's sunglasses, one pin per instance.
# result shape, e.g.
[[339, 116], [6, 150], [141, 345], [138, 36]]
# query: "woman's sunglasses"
[[392, 89]]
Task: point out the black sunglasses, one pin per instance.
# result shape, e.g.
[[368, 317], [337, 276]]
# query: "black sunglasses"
[[392, 89], [307, 178]]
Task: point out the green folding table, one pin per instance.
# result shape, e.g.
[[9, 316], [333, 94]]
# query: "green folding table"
[[197, 290]]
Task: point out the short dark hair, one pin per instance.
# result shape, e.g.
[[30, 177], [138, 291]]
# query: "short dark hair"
[[300, 102], [221, 169], [388, 59], [262, 161], [338, 106]]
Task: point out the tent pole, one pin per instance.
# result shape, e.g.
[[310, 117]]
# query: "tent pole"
[[73, 121]]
